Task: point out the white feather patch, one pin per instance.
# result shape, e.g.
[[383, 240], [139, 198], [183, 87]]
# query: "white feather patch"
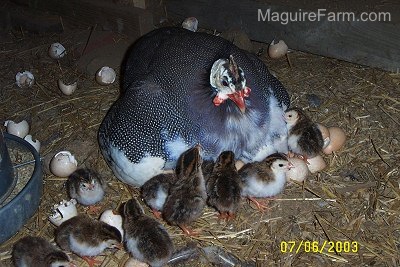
[[257, 188], [132, 246], [158, 202], [83, 249], [135, 174], [176, 148]]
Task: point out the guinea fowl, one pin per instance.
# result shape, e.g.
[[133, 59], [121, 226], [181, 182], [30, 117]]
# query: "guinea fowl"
[[182, 88]]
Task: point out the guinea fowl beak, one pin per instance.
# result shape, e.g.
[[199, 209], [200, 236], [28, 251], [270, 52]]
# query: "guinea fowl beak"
[[238, 98]]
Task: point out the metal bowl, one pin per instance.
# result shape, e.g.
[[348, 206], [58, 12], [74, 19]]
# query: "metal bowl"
[[15, 213]]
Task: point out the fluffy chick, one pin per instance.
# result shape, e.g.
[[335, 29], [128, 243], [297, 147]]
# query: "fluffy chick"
[[224, 186], [187, 196], [155, 191], [304, 136], [263, 179], [35, 251], [87, 237], [145, 238], [86, 186]]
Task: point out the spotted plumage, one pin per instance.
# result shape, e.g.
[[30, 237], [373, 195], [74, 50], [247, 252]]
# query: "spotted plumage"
[[167, 106], [224, 185], [35, 251], [86, 186], [304, 136]]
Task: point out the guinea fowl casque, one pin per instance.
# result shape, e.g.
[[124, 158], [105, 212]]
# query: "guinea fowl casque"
[[182, 88]]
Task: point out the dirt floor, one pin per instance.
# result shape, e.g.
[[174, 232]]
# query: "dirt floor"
[[354, 203]]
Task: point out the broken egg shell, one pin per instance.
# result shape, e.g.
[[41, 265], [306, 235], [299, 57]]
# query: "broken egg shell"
[[63, 211], [67, 89], [24, 79], [105, 75], [20, 129], [316, 164], [190, 24], [63, 164], [277, 50], [113, 219], [34, 143], [337, 140], [299, 171], [132, 262], [325, 134], [57, 51]]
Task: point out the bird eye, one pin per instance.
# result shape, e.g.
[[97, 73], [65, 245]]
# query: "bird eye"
[[281, 165], [224, 83]]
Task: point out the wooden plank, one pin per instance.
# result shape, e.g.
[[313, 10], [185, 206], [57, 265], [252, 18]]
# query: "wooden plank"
[[374, 44], [122, 19]]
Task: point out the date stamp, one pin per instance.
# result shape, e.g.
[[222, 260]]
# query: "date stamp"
[[319, 247]]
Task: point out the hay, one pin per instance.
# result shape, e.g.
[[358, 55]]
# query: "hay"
[[357, 198]]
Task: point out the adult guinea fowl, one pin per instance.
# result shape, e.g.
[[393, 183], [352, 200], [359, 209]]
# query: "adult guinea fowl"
[[182, 88]]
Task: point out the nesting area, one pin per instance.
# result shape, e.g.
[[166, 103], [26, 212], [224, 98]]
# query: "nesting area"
[[354, 203]]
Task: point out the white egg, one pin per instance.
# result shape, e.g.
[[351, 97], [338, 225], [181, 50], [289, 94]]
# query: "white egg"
[[132, 262], [109, 217], [63, 164], [316, 164], [34, 143], [277, 50], [57, 51], [239, 164], [24, 79], [299, 170], [67, 89], [20, 129], [105, 75], [63, 211]]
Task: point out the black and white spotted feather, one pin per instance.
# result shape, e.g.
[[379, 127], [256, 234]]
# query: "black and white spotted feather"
[[166, 106]]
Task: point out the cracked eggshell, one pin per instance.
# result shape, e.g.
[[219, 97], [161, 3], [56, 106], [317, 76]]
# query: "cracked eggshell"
[[337, 137], [24, 79], [20, 129], [190, 23], [63, 164], [113, 219], [63, 211], [316, 164], [325, 134], [34, 143], [67, 89], [105, 76], [57, 51], [299, 170], [277, 50]]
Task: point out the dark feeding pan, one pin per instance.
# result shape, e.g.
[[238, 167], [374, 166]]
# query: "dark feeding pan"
[[15, 212]]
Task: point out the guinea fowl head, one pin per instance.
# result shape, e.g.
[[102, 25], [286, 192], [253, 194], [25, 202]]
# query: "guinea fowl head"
[[228, 79]]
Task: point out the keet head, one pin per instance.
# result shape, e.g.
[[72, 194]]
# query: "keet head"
[[229, 81], [292, 116], [226, 158]]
